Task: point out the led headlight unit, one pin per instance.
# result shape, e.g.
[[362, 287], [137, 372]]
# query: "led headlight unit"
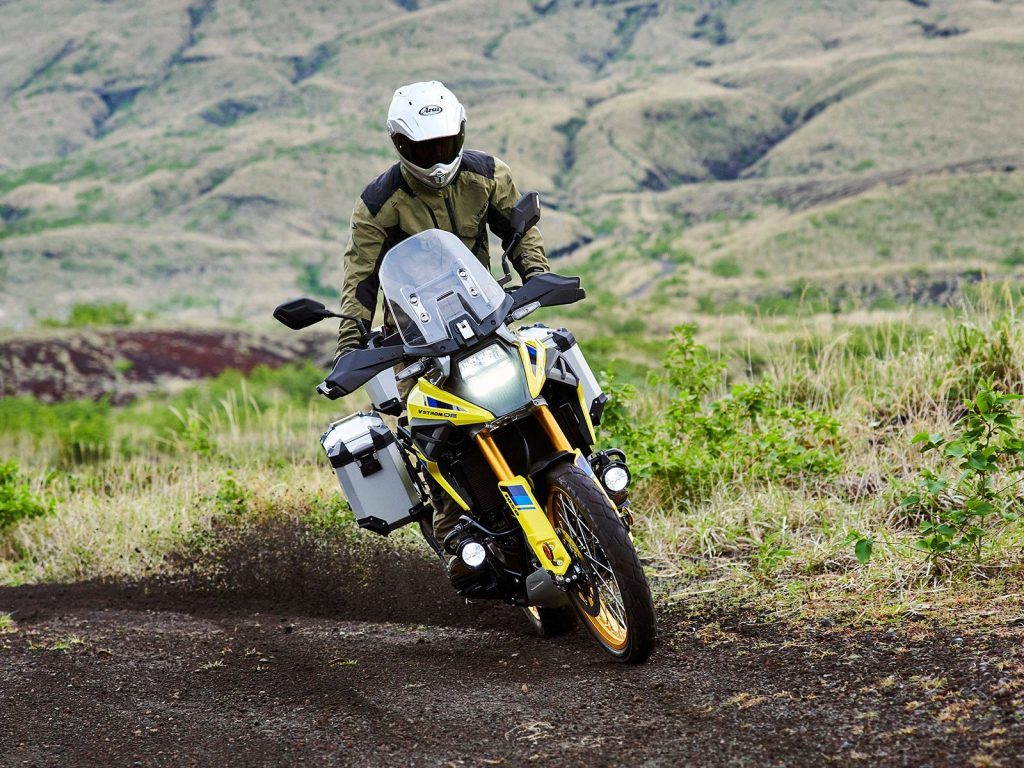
[[486, 370], [473, 554], [615, 477], [480, 361]]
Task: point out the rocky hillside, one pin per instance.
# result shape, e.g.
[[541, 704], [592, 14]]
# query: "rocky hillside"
[[200, 158], [124, 363]]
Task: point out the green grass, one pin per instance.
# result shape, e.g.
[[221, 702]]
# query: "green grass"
[[753, 471]]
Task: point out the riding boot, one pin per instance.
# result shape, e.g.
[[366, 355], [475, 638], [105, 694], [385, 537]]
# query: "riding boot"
[[446, 511]]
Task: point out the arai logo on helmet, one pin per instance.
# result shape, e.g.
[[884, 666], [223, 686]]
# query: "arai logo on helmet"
[[431, 109]]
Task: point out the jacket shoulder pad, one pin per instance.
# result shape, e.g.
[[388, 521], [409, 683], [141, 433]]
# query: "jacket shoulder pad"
[[478, 162], [380, 190]]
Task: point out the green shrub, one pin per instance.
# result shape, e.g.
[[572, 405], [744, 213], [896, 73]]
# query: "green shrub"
[[17, 502], [748, 434], [99, 313], [80, 429], [985, 354], [1014, 258], [331, 515], [629, 326], [26, 415], [190, 432], [958, 507], [232, 499], [726, 267]]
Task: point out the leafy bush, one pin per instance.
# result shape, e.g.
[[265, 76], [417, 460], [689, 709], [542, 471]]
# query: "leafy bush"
[[696, 442], [17, 502], [232, 499], [190, 432], [986, 354], [977, 487], [726, 267], [81, 429]]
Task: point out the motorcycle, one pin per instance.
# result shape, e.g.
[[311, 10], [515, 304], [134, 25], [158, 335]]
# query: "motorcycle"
[[502, 419]]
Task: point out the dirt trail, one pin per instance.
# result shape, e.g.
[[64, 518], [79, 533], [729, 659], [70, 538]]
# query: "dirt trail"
[[402, 673]]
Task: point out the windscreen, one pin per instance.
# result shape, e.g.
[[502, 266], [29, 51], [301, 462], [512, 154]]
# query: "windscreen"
[[429, 280]]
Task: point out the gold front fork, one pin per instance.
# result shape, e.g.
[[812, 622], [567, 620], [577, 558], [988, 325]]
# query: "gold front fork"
[[490, 451], [493, 455], [518, 493], [554, 432]]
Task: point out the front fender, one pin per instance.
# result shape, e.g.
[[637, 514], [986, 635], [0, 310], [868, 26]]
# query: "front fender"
[[539, 471]]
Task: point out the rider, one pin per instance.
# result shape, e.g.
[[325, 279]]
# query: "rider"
[[435, 185]]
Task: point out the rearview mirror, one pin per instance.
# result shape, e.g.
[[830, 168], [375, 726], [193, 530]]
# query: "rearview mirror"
[[526, 213], [301, 313]]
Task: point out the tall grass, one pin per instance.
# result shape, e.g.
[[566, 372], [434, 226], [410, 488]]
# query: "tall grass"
[[157, 486], [788, 538], [750, 477]]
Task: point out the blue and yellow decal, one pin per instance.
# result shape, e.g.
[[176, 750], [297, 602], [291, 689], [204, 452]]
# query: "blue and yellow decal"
[[543, 540]]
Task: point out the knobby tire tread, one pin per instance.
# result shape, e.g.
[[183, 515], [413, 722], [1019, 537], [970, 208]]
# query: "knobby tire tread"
[[614, 538]]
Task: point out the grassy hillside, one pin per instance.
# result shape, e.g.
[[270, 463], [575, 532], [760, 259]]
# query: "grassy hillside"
[[200, 159]]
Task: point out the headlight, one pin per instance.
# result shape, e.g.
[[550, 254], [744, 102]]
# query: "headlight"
[[615, 478], [473, 554], [480, 361], [486, 370]]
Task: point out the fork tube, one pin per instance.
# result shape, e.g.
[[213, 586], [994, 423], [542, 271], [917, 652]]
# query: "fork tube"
[[493, 455], [554, 431]]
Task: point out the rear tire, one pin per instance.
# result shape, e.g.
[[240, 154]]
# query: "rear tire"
[[548, 622], [615, 604]]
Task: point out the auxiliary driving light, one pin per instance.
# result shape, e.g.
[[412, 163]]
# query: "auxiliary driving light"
[[615, 477], [473, 554]]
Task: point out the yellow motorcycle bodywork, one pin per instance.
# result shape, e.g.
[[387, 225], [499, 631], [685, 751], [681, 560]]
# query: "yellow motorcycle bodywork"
[[428, 402]]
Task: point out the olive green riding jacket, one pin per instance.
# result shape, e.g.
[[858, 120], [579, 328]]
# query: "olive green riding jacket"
[[396, 206]]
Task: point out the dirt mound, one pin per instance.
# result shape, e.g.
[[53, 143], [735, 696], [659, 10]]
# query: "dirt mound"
[[124, 364]]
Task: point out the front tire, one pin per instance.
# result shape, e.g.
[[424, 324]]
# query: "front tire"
[[614, 600]]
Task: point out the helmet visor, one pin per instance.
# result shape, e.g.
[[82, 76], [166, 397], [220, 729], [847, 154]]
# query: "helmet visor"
[[426, 154]]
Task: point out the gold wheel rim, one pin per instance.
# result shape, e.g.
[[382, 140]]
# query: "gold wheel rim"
[[610, 622]]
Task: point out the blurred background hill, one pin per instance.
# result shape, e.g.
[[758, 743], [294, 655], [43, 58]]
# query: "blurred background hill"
[[199, 159]]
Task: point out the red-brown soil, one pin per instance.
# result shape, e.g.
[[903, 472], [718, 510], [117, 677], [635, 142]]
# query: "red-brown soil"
[[126, 363], [297, 654]]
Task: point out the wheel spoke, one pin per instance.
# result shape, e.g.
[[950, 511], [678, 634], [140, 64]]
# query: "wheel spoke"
[[601, 573]]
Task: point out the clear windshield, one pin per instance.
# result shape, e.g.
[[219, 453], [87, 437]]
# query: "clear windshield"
[[431, 279]]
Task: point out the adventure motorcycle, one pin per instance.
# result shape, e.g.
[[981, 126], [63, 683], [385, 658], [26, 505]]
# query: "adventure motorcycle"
[[502, 419]]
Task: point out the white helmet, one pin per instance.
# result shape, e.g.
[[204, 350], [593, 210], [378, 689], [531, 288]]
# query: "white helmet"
[[428, 126]]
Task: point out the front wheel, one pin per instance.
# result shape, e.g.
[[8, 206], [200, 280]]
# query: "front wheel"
[[612, 598]]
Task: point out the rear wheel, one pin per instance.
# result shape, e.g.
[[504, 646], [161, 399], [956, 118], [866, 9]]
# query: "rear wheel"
[[612, 598]]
